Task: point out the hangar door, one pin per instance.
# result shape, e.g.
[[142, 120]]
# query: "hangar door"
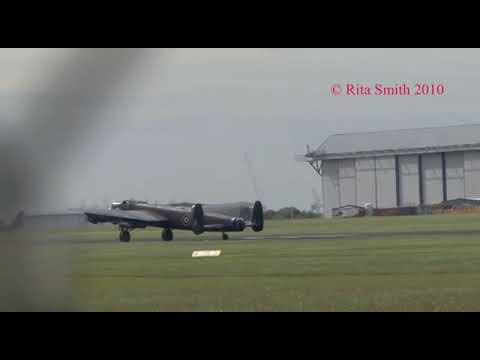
[[409, 182], [346, 174], [455, 175], [386, 182], [472, 174], [432, 178], [365, 177], [330, 186]]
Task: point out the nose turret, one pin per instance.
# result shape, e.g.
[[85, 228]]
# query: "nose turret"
[[238, 224]]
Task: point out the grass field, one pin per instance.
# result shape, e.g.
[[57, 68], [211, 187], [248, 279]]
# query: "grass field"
[[382, 271]]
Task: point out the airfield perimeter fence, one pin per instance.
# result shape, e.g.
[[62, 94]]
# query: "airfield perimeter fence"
[[444, 208], [460, 210]]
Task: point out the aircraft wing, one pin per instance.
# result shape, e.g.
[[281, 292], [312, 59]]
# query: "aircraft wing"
[[132, 217], [213, 227]]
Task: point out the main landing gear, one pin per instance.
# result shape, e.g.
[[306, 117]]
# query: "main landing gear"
[[124, 235], [224, 236], [167, 235]]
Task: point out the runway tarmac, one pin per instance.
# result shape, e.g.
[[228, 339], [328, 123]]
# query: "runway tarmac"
[[363, 235], [45, 240]]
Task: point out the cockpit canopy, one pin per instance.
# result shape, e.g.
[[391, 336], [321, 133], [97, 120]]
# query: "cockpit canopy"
[[116, 205], [125, 204]]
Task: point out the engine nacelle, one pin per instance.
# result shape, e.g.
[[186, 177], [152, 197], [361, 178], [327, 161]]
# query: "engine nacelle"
[[238, 224]]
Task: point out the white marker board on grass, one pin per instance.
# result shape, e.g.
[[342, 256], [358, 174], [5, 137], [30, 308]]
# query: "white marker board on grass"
[[206, 253]]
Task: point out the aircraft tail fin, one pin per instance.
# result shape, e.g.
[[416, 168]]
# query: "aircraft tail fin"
[[198, 219], [15, 224], [257, 216], [18, 221]]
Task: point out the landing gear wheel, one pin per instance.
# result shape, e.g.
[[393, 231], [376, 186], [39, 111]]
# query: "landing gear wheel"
[[124, 236], [225, 236], [167, 235]]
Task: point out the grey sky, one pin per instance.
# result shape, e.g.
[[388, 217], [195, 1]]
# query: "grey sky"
[[178, 126]]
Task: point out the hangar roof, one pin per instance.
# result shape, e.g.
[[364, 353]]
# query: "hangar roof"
[[396, 142]]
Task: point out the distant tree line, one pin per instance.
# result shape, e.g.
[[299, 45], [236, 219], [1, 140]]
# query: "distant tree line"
[[289, 212]]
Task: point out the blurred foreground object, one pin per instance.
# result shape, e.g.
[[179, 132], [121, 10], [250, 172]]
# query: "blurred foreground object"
[[55, 117]]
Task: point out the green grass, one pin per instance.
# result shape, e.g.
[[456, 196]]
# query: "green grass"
[[412, 272], [363, 225], [375, 224]]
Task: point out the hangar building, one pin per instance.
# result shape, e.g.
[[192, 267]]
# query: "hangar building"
[[67, 220], [397, 168]]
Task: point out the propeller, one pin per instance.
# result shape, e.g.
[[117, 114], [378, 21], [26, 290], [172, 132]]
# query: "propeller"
[[198, 219], [257, 216]]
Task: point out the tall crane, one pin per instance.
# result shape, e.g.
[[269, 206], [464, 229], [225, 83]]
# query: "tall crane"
[[252, 177]]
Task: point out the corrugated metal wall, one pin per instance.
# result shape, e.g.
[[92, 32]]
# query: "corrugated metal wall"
[[365, 180], [374, 180], [386, 182], [432, 178], [455, 174], [330, 186], [472, 174], [346, 174], [409, 181]]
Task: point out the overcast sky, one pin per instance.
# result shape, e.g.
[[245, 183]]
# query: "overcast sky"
[[177, 126]]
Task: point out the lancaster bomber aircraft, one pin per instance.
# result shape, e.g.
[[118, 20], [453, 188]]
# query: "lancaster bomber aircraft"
[[131, 214]]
